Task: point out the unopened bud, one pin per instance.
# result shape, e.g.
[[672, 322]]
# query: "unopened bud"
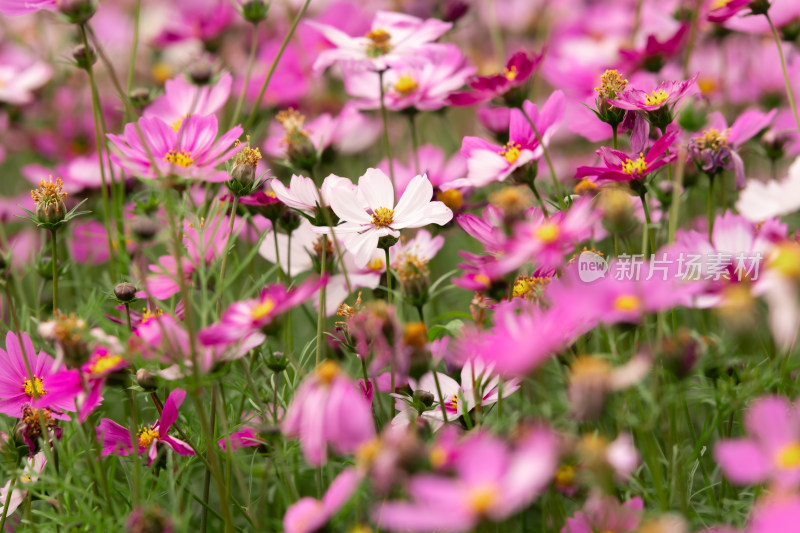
[[125, 292], [145, 228], [255, 11], [200, 73], [146, 380], [139, 97], [84, 58], [423, 397], [76, 11]]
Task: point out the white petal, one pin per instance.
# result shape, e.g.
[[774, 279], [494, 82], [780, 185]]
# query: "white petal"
[[415, 199], [376, 189]]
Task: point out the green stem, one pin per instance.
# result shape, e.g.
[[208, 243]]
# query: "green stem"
[[710, 207], [412, 124], [385, 120], [54, 261], [648, 229], [677, 185], [5, 504], [134, 47], [227, 251], [614, 136], [272, 67], [209, 452], [321, 311], [250, 62], [388, 277], [556, 184], [789, 93], [439, 391]]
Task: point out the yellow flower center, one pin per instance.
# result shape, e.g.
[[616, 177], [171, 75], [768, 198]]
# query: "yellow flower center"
[[548, 232], [635, 166], [789, 456], [786, 260], [405, 85], [383, 217], [719, 3], [611, 84], [34, 386], [177, 124], [565, 475], [147, 314], [511, 151], [452, 403], [712, 138], [182, 158], [706, 85], [263, 309], [627, 302], [327, 371], [482, 498], [452, 198], [147, 435], [376, 264], [367, 452], [161, 72], [657, 97], [104, 363], [49, 192], [527, 286], [438, 456], [511, 73], [483, 279], [379, 42], [585, 186]]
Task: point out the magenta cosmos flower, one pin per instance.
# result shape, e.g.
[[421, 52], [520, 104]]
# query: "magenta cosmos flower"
[[22, 7], [309, 514], [722, 10], [16, 387], [487, 162], [183, 99], [394, 39], [604, 513], [492, 481], [665, 94], [118, 439], [190, 152], [619, 166], [328, 409], [370, 212], [771, 452], [251, 316], [518, 70]]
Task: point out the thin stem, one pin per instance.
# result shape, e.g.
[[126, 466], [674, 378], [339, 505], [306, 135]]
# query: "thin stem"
[[5, 504], [648, 227], [439, 391], [54, 261], [412, 124], [677, 185], [385, 120], [388, 277], [207, 478], [278, 253], [321, 311], [789, 93], [546, 153], [614, 136], [128, 316], [134, 47], [227, 251], [250, 62], [272, 67], [539, 198], [710, 207]]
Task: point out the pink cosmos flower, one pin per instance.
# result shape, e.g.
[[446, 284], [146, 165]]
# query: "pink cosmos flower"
[[190, 152], [665, 95], [16, 387], [294, 255], [251, 316], [487, 162], [621, 167], [349, 132], [762, 200], [771, 452], [381, 217], [182, 99], [34, 466], [195, 19], [519, 68], [423, 86], [328, 409], [83, 388], [486, 228], [309, 514], [722, 11], [775, 513], [433, 163], [492, 481], [302, 192], [22, 7], [655, 53], [18, 82], [604, 513], [117, 439], [394, 39], [79, 173]]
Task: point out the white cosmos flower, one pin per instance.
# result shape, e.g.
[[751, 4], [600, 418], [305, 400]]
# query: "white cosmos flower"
[[371, 213], [762, 200], [302, 192]]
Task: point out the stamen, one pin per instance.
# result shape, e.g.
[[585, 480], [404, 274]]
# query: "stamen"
[[635, 166], [511, 151], [405, 85], [383, 217], [182, 158], [658, 97], [147, 435], [263, 309], [35, 385]]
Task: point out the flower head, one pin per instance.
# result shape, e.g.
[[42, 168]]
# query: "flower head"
[[519, 68]]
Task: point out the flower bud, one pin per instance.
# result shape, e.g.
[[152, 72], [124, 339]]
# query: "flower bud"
[[277, 362], [255, 11], [422, 399], [146, 380], [77, 11], [454, 10], [299, 149], [144, 228], [680, 352], [200, 73], [617, 210], [289, 221], [140, 97], [49, 200], [84, 57], [125, 292]]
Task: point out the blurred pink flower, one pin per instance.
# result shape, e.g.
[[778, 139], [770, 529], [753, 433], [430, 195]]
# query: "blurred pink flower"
[[183, 99], [308, 514], [604, 513]]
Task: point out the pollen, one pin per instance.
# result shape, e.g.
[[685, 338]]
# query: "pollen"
[[529, 286], [627, 302], [712, 139], [406, 85], [483, 279], [789, 456], [291, 120], [511, 73], [717, 4], [147, 435], [511, 151], [452, 198], [35, 388], [438, 456], [383, 217], [375, 264], [707, 85], [250, 157], [587, 366], [657, 97], [182, 158], [786, 260], [49, 192], [367, 452], [104, 363], [547, 232], [585, 186], [327, 371], [482, 498], [177, 124], [147, 314], [636, 166], [565, 476], [379, 42], [611, 84], [452, 404], [263, 309]]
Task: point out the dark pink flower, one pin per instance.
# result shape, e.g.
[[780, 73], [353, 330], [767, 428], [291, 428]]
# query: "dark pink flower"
[[519, 68], [309, 514], [604, 513]]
